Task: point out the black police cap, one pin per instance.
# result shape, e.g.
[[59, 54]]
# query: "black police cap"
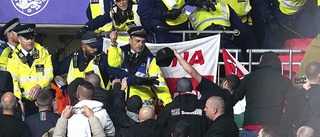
[[164, 57], [26, 30], [137, 31], [10, 26]]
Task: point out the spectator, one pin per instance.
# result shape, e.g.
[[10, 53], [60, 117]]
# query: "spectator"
[[78, 124], [100, 94], [184, 107], [305, 131], [311, 112], [268, 131], [10, 126], [266, 90], [30, 67], [206, 87], [137, 59], [7, 86], [95, 125], [148, 126], [6, 48], [222, 125], [293, 116], [44, 120], [126, 111], [181, 129], [59, 84], [72, 90]]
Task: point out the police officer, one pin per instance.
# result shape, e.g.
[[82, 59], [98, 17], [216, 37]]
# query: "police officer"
[[125, 14], [220, 17], [156, 17], [137, 59], [99, 17], [86, 61], [6, 48], [30, 67]]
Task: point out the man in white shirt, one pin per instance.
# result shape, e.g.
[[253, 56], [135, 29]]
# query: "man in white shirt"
[[78, 124]]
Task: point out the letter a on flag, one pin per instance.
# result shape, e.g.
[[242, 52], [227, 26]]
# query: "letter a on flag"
[[233, 66]]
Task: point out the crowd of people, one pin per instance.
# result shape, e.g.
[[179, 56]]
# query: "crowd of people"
[[89, 93]]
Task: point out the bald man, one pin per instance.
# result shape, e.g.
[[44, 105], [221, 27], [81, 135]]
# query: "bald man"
[[148, 126], [100, 94], [305, 131], [8, 121], [78, 124], [223, 124]]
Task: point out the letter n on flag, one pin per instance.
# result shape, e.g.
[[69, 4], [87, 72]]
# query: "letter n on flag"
[[233, 66]]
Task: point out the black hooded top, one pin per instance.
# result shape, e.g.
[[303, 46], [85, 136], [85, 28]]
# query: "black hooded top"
[[265, 90]]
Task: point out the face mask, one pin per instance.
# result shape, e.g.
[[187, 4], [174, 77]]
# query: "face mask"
[[61, 83]]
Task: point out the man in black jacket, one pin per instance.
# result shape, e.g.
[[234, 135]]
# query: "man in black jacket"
[[148, 126], [222, 124], [311, 112], [184, 107], [265, 90], [126, 111]]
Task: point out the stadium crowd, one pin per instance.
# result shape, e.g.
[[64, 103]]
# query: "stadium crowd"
[[118, 94]]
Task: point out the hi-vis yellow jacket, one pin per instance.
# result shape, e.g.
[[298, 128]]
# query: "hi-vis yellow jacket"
[[200, 19], [135, 20], [183, 16], [291, 7], [97, 8], [4, 58], [241, 7], [147, 68], [25, 77], [74, 73]]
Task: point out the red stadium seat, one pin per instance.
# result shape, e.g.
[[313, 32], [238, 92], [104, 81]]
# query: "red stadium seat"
[[295, 43]]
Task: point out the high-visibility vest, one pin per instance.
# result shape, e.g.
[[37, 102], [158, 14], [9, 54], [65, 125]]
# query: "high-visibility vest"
[[148, 68], [6, 53], [183, 16], [200, 19], [291, 7], [135, 20], [74, 73], [25, 77], [61, 100], [241, 7], [97, 8], [318, 3]]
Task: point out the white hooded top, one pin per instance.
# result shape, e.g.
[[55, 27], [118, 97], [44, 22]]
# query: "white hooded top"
[[78, 125]]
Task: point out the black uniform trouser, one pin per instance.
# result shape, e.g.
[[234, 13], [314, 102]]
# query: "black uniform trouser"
[[30, 107]]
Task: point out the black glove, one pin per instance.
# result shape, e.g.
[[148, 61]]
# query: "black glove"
[[273, 25], [82, 30], [207, 5], [162, 30], [118, 18], [146, 81], [171, 14]]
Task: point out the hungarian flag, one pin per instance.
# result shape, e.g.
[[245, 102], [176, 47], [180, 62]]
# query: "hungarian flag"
[[233, 66]]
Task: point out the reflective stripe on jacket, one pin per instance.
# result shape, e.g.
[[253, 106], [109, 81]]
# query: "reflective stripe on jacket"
[[25, 77], [148, 68], [136, 19], [97, 8], [241, 7], [291, 7], [200, 19], [74, 73], [183, 16], [4, 58]]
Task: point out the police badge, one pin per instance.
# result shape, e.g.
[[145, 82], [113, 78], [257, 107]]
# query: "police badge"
[[29, 7]]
